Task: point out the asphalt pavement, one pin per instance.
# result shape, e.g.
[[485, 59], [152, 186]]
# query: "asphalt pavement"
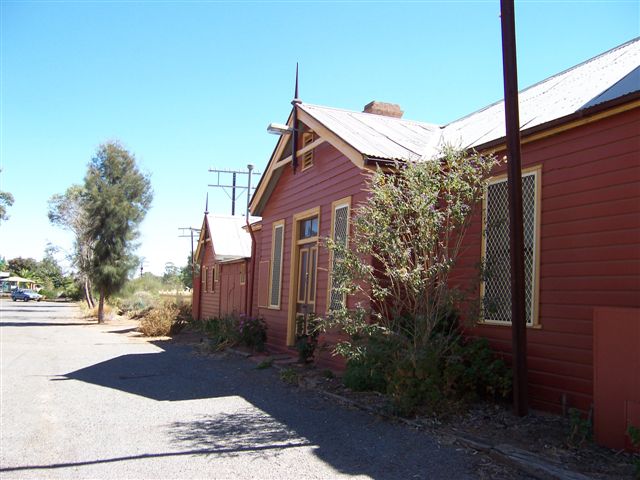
[[80, 400]]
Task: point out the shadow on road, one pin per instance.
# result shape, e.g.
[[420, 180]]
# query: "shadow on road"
[[202, 451], [279, 417]]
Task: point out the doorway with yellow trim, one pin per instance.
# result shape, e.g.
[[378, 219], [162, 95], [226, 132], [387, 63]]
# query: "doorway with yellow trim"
[[304, 274]]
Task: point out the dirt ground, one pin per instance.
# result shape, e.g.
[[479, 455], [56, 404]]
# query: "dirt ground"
[[546, 435]]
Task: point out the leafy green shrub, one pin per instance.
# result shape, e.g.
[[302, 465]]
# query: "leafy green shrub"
[[411, 230], [222, 332], [306, 346], [252, 332], [371, 370], [439, 379], [146, 283], [230, 330], [634, 435], [136, 302], [306, 337], [360, 377], [72, 291], [443, 374], [48, 294], [263, 365], [473, 371], [289, 375], [579, 428]]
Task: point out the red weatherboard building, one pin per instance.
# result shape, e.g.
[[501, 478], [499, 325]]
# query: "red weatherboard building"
[[222, 256], [581, 196]]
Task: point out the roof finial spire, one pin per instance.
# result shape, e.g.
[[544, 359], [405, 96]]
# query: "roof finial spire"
[[295, 94], [294, 125], [206, 205]]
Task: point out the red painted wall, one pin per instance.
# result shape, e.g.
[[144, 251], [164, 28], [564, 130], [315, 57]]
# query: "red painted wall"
[[209, 300], [231, 290], [195, 297], [253, 267], [616, 375], [332, 177], [589, 247], [589, 252]]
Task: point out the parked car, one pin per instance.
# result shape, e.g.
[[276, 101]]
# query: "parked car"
[[25, 294]]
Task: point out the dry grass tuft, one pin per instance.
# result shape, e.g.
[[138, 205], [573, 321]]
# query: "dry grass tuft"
[[92, 313], [163, 320]]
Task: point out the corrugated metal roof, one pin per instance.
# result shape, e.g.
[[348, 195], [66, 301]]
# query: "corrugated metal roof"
[[605, 77], [583, 86], [230, 239], [376, 135]]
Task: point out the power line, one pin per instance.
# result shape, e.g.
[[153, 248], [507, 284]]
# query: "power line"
[[236, 190], [191, 231]]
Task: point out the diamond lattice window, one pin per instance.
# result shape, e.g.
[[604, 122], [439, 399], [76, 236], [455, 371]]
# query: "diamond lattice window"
[[276, 262], [497, 281], [340, 227]]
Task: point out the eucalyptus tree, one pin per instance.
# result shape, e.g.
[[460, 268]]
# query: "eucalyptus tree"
[[6, 200], [68, 211]]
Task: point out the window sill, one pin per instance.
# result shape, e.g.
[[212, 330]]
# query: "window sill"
[[489, 323]]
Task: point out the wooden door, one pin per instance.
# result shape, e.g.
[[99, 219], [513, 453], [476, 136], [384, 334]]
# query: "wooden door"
[[306, 279]]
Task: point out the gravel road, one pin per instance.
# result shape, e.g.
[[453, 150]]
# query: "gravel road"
[[83, 400]]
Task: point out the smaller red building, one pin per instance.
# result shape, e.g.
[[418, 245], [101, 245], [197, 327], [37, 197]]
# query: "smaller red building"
[[223, 260]]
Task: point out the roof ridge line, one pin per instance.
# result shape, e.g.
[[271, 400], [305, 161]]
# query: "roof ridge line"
[[396, 119], [563, 72]]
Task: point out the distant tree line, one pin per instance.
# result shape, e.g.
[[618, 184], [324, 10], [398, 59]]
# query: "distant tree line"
[[47, 273]]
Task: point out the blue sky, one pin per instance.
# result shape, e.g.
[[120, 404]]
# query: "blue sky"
[[190, 85]]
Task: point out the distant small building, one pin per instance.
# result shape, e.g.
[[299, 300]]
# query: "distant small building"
[[11, 283], [221, 267]]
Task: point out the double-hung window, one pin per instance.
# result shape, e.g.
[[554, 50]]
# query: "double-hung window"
[[204, 278], [275, 278]]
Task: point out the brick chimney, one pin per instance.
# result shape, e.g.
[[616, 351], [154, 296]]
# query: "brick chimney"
[[382, 108]]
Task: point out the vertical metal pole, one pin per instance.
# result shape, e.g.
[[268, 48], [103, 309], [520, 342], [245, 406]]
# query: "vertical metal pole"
[[193, 270], [250, 168], [233, 195], [514, 170], [294, 126]]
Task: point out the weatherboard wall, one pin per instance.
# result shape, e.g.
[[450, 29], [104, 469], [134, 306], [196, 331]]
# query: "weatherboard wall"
[[589, 253], [332, 177], [209, 291], [232, 287]]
